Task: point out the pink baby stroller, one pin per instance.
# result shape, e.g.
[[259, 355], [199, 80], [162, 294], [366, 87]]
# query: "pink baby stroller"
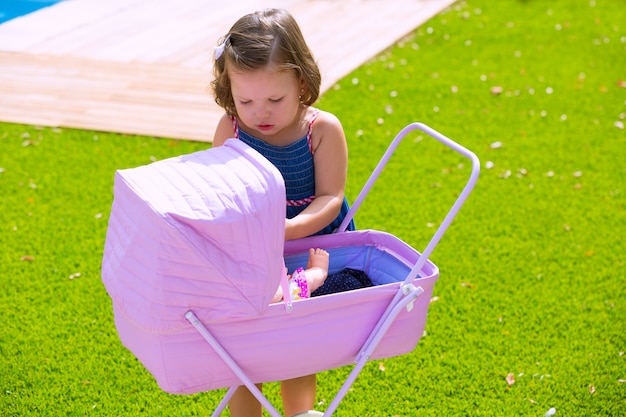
[[195, 252]]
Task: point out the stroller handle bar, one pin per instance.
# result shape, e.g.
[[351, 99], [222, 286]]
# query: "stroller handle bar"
[[451, 213]]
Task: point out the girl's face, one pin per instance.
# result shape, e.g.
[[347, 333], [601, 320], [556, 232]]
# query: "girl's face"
[[267, 100]]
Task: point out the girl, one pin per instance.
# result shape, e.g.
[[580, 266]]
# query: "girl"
[[267, 80]]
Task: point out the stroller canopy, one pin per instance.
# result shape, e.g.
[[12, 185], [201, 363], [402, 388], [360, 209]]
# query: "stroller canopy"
[[214, 216]]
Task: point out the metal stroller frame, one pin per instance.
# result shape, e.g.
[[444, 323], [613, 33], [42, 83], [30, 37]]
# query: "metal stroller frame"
[[408, 292]]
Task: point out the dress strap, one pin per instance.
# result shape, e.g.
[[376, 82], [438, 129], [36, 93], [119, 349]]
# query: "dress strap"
[[316, 113], [233, 119]]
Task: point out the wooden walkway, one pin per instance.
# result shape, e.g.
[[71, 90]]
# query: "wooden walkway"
[[144, 66]]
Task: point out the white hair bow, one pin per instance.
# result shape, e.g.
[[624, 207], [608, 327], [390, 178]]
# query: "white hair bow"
[[219, 49]]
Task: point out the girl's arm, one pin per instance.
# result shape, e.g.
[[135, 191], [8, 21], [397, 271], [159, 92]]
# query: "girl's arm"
[[331, 170]]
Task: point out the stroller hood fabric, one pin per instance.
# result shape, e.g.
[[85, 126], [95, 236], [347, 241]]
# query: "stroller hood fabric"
[[212, 217]]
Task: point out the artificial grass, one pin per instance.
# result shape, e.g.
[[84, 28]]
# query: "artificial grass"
[[532, 270]]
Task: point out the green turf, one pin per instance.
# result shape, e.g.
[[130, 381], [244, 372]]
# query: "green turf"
[[532, 281]]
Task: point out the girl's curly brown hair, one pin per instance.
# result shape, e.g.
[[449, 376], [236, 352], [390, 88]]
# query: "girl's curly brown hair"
[[260, 39]]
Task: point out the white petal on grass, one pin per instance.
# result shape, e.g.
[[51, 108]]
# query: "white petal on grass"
[[496, 145], [489, 164], [619, 124], [549, 90], [550, 412], [510, 378]]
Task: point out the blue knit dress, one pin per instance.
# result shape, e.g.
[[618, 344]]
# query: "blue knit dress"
[[295, 163]]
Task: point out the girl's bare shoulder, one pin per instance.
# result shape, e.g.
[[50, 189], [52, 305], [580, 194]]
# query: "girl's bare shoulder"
[[327, 124], [327, 120], [224, 130]]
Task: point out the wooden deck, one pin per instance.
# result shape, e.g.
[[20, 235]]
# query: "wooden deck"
[[144, 66]]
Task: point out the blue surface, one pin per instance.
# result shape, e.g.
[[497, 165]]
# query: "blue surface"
[[10, 9]]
